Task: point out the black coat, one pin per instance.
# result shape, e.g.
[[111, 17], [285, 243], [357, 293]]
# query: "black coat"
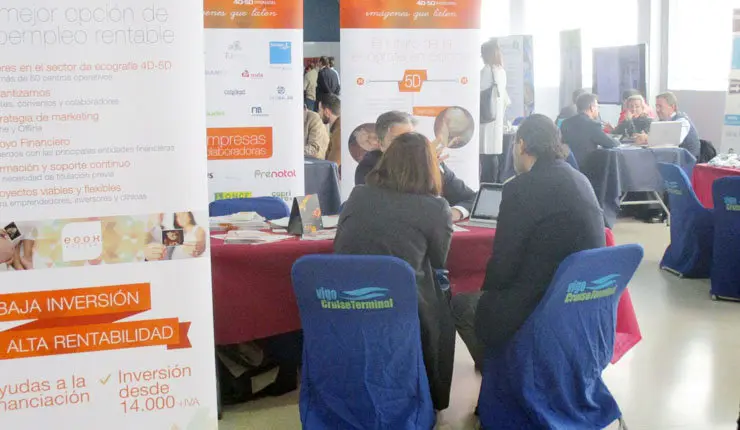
[[454, 189], [417, 229], [584, 135], [546, 215], [327, 83]]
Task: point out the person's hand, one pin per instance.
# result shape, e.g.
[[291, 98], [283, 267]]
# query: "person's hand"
[[200, 248], [442, 154], [608, 127], [641, 139], [442, 142], [457, 215], [7, 249], [154, 252]]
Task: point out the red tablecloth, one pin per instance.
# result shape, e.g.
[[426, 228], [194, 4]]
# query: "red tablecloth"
[[253, 293], [704, 176]]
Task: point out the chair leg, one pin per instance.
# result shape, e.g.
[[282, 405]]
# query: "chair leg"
[[622, 424]]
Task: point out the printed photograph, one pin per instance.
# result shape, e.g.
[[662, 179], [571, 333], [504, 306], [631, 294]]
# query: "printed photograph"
[[172, 238], [459, 123], [12, 231], [363, 140]]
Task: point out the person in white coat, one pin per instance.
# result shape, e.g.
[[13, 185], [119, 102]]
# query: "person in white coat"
[[493, 82]]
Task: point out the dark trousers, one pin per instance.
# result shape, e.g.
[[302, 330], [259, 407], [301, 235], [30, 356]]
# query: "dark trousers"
[[310, 104], [490, 168], [463, 311]]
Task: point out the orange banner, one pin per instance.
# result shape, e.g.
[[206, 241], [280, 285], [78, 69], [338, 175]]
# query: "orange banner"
[[260, 14], [431, 111], [239, 143], [444, 14], [84, 320]]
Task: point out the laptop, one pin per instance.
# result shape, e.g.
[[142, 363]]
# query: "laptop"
[[664, 134], [485, 209]]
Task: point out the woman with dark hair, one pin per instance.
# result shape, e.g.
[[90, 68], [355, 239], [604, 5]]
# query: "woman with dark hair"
[[494, 100], [399, 212], [194, 236]]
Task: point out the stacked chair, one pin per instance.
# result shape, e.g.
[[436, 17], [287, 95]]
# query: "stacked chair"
[[726, 253]]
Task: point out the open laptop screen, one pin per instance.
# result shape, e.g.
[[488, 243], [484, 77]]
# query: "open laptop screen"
[[488, 203]]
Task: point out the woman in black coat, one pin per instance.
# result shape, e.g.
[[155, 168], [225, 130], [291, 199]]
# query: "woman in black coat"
[[399, 212]]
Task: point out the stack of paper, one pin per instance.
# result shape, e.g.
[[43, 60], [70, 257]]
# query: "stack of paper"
[[320, 235], [239, 221], [254, 237]]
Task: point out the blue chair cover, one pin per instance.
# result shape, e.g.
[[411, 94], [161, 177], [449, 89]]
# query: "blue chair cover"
[[690, 251], [362, 360], [268, 207], [549, 375], [726, 255]]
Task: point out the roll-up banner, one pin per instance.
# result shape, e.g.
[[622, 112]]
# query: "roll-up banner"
[[731, 132], [105, 282], [254, 98], [519, 64], [416, 56]]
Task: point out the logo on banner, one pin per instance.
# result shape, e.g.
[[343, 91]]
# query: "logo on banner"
[[281, 53], [215, 113], [235, 92], [581, 291], [82, 241], [258, 111], [274, 174], [369, 298], [233, 195], [281, 94], [215, 72], [247, 75], [233, 50], [287, 196], [241, 143]]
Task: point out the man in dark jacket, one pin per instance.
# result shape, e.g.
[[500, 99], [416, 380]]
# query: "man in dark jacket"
[[571, 110], [392, 124], [327, 82], [548, 212], [583, 133]]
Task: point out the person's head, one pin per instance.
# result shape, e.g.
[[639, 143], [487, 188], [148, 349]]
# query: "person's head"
[[490, 52], [626, 94], [392, 124], [588, 105], [577, 93], [173, 235], [330, 108], [536, 139], [323, 61], [184, 219], [666, 105], [409, 165], [331, 62], [635, 105]]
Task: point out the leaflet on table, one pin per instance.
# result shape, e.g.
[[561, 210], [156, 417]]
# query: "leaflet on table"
[[105, 307], [417, 57], [254, 98]]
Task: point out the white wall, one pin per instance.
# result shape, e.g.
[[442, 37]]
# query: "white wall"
[[707, 110]]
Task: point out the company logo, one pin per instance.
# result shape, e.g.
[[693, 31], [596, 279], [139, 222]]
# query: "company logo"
[[671, 187], [215, 113], [258, 111], [232, 195], [255, 2], [215, 72], [281, 94], [235, 92], [247, 75], [581, 291], [234, 50], [281, 53], [287, 196], [369, 298], [731, 204], [274, 174], [82, 241], [239, 143]]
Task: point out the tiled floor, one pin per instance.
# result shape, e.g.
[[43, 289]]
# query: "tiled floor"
[[684, 375]]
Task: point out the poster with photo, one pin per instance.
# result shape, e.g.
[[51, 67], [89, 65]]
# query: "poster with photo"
[[519, 64], [254, 98], [421, 58], [103, 323], [731, 129]]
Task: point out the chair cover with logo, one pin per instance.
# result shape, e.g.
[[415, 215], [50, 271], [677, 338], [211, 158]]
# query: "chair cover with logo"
[[690, 251], [726, 255], [268, 207], [549, 375], [362, 359]]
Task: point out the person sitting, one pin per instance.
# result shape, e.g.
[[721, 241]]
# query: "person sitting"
[[330, 109], [626, 95], [315, 135], [666, 105], [635, 119], [392, 124], [399, 213], [548, 212], [571, 110], [583, 133]]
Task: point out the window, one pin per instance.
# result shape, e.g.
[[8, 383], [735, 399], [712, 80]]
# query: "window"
[[604, 23], [700, 44]]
